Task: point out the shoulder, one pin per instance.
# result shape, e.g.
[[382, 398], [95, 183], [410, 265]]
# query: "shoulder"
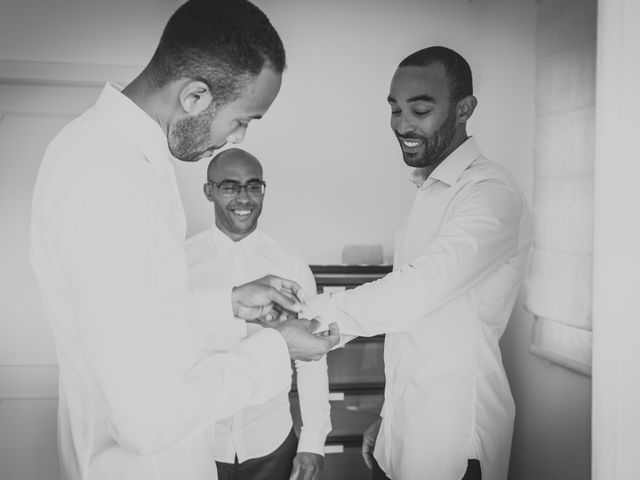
[[90, 156], [484, 176], [88, 136], [486, 186], [483, 169]]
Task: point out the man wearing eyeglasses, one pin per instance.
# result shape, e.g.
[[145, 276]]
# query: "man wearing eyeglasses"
[[258, 442]]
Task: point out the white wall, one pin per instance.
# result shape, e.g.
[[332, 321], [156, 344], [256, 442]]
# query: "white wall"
[[334, 170]]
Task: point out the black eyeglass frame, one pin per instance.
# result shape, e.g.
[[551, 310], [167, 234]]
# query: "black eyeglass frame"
[[240, 186]]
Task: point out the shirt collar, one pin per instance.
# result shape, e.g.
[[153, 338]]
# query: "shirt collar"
[[451, 168], [223, 243], [136, 124]]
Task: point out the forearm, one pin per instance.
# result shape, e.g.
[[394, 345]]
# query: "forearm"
[[133, 319], [167, 405], [481, 235], [218, 330], [313, 392]]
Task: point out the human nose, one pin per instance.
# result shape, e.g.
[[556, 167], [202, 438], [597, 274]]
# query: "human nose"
[[242, 195], [237, 135], [402, 125]]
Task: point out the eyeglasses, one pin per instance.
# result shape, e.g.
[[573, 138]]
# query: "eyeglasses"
[[254, 188]]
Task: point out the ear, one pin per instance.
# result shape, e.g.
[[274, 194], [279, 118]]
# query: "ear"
[[465, 108], [208, 191], [195, 97]]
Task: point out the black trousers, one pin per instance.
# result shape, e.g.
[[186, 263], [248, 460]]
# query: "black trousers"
[[275, 466], [473, 471]]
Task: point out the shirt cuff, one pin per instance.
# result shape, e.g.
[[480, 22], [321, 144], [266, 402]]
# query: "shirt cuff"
[[215, 320], [323, 307], [312, 440], [270, 355], [320, 308]]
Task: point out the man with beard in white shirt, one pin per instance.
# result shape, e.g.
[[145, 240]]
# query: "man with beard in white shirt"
[[140, 381], [257, 443], [458, 262]]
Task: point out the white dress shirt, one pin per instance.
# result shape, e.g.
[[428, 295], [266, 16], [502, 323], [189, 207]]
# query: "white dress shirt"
[[459, 261], [217, 261], [139, 384]]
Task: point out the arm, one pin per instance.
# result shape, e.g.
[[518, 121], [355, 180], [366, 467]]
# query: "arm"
[[481, 234], [134, 318], [313, 391], [204, 273]]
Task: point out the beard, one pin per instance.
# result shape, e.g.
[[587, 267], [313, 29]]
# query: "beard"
[[434, 145], [189, 136]]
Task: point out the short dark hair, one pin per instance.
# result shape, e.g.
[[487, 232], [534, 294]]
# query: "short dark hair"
[[224, 43], [455, 66]]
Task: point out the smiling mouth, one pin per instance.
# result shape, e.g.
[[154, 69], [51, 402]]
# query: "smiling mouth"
[[242, 212], [410, 144]]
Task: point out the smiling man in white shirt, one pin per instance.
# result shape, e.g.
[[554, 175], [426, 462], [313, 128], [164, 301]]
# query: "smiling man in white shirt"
[[140, 379], [257, 443], [459, 260]]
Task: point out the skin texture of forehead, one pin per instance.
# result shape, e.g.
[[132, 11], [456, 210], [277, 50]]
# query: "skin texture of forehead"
[[409, 81], [234, 162]]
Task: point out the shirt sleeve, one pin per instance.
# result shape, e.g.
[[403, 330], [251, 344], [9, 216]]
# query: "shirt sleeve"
[[481, 234], [219, 332], [134, 320], [313, 388]]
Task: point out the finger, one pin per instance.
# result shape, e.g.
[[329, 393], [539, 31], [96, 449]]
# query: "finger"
[[323, 333], [290, 286], [334, 335], [273, 319], [287, 315], [286, 301], [250, 313], [365, 453], [313, 325]]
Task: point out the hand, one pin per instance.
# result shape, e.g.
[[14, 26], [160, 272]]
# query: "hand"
[[369, 442], [302, 343], [307, 466], [277, 316], [266, 298]]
